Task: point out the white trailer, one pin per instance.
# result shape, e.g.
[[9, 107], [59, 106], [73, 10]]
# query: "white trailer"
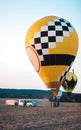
[[12, 102]]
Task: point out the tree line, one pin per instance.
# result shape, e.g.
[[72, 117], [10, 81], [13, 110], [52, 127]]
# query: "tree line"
[[40, 94]]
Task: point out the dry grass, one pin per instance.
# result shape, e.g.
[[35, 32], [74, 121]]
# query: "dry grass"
[[40, 118]]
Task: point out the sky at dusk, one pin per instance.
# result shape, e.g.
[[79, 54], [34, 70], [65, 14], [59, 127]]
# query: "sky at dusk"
[[16, 16]]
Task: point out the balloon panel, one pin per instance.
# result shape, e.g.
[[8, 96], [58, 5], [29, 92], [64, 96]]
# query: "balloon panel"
[[35, 60]]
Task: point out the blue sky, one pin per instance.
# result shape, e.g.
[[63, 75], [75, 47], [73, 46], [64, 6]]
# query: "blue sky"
[[16, 16]]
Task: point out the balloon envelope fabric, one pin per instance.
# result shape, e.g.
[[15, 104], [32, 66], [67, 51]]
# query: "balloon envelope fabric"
[[52, 44]]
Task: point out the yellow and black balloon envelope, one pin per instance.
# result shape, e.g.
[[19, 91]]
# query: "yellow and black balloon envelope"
[[70, 82], [51, 44]]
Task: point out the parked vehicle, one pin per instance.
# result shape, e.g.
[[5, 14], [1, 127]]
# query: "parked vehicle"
[[22, 102], [11, 102], [31, 103], [28, 103]]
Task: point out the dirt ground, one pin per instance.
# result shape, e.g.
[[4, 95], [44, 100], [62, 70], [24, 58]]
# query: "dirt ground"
[[40, 118]]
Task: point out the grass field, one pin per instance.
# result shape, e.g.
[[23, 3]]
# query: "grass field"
[[42, 117]]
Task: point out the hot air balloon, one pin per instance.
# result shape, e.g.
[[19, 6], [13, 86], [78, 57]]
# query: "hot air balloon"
[[51, 44], [69, 82]]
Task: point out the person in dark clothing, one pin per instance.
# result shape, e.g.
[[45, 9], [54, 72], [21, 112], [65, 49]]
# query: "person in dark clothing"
[[56, 102]]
